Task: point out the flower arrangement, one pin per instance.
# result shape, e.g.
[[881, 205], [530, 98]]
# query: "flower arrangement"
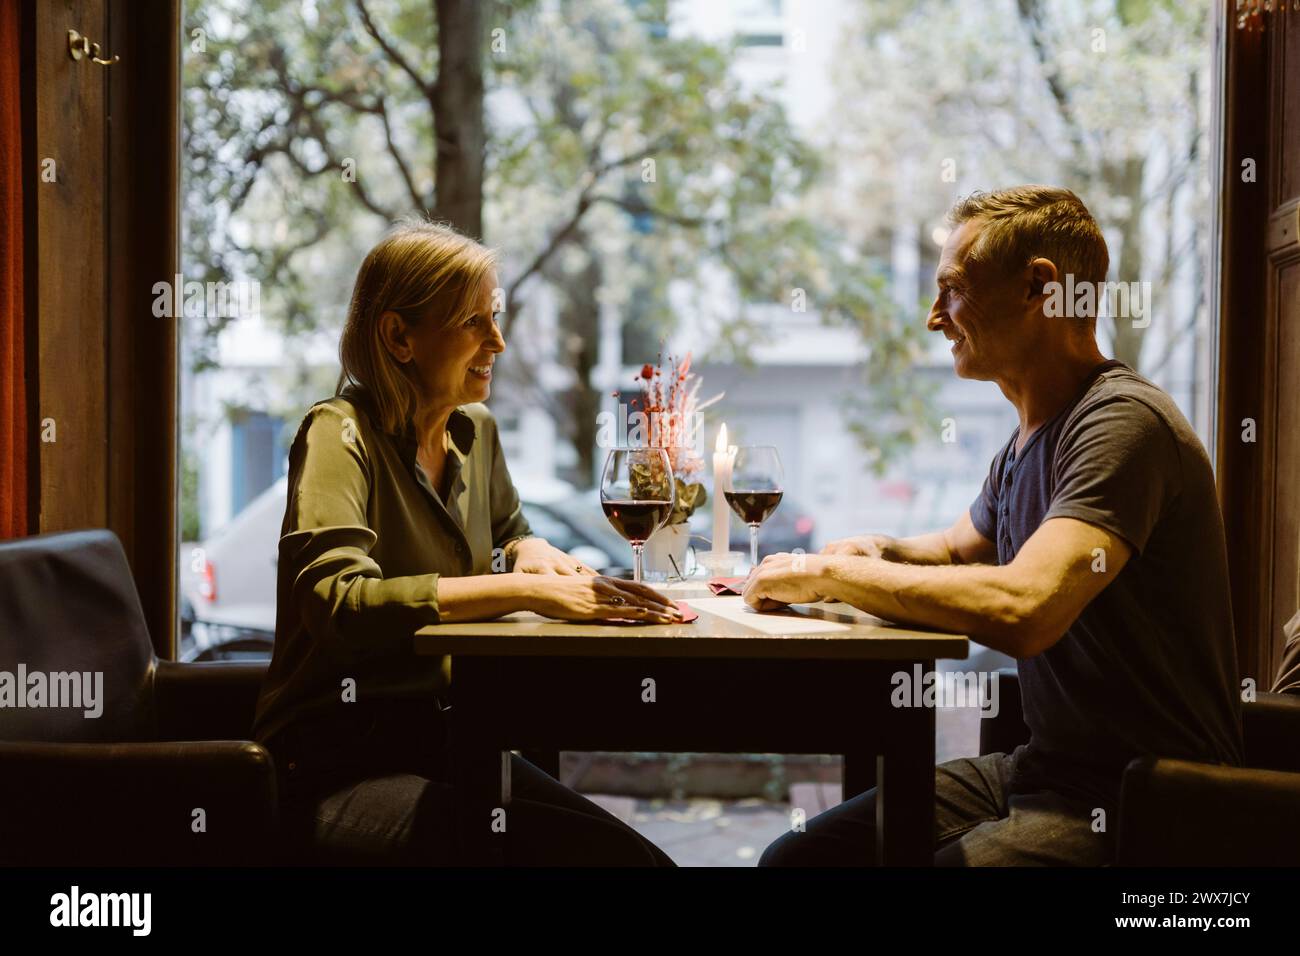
[[670, 405]]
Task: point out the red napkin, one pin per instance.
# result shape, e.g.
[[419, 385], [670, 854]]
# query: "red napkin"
[[726, 585], [689, 614]]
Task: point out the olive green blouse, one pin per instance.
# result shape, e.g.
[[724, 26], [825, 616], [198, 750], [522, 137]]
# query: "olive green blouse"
[[364, 540]]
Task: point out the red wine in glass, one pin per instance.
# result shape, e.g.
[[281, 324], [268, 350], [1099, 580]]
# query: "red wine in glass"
[[636, 520], [754, 506], [636, 493], [755, 489]]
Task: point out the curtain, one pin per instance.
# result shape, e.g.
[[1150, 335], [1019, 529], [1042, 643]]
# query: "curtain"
[[13, 380]]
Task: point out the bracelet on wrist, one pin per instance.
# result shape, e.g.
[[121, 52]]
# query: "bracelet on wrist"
[[511, 550]]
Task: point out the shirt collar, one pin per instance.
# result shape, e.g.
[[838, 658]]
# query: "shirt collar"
[[460, 426]]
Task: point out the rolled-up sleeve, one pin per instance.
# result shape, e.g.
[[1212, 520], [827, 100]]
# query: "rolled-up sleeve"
[[336, 587], [508, 521]]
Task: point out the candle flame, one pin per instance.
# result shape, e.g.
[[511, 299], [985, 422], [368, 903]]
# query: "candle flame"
[[721, 445]]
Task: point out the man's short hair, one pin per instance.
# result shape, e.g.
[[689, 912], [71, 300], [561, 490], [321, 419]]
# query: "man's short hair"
[[1027, 222]]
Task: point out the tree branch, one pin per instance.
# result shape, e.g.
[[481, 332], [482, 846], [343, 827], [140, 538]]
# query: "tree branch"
[[394, 54], [584, 202], [1176, 339], [642, 208], [557, 239], [419, 201], [662, 144], [310, 119], [1031, 16], [256, 157]]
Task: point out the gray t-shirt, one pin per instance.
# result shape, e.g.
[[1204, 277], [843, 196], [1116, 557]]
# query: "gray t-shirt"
[[1149, 666]]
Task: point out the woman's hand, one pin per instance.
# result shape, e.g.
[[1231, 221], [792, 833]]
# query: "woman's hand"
[[539, 556], [597, 598]]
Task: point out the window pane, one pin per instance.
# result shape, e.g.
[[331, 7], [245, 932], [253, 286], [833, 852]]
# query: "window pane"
[[660, 182]]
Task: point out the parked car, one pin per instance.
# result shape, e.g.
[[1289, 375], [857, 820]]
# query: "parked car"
[[229, 582], [573, 522]]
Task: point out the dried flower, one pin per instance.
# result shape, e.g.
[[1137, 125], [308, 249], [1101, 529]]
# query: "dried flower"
[[669, 400]]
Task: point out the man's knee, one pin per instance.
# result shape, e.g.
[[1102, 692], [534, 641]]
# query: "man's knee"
[[787, 850], [827, 841], [1041, 829]]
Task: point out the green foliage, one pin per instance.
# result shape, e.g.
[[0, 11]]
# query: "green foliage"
[[1105, 97], [583, 97], [690, 495], [189, 503], [648, 481]]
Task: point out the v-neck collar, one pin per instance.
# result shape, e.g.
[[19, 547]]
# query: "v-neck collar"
[[1069, 406], [463, 434], [427, 479]]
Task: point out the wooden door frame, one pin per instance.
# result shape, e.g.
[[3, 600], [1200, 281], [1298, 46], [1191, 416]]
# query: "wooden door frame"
[[128, 451], [144, 248], [1248, 342], [65, 230]]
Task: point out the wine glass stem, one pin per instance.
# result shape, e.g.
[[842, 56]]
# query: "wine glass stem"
[[753, 545], [636, 562]]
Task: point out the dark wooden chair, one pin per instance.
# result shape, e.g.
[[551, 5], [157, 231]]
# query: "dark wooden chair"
[[123, 787], [1184, 813]]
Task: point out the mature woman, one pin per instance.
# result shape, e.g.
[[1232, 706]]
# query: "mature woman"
[[400, 508]]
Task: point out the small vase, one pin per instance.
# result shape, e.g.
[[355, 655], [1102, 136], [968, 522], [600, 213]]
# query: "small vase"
[[670, 540]]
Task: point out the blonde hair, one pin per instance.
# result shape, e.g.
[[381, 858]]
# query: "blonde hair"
[[1025, 222], [422, 271]]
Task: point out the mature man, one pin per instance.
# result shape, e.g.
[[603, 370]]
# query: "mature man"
[[1094, 555]]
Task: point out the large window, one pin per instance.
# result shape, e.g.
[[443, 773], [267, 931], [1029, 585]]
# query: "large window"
[[659, 177]]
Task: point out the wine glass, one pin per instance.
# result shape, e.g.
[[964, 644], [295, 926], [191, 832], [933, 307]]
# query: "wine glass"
[[636, 493], [755, 489]]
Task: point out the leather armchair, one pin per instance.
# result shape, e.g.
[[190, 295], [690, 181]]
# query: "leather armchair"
[[1183, 813], [120, 788]]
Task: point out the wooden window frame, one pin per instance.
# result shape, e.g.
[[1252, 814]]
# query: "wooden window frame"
[[1257, 487], [96, 352]]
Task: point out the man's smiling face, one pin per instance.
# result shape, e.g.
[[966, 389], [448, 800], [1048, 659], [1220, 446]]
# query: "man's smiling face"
[[983, 315]]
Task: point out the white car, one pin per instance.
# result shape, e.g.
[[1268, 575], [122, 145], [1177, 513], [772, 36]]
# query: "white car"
[[228, 580]]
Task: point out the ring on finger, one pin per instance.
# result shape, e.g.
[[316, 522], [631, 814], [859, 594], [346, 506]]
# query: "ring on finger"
[[618, 599]]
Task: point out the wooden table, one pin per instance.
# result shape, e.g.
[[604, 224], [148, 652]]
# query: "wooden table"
[[809, 679]]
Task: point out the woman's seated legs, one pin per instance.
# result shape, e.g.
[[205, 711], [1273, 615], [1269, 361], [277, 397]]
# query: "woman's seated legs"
[[408, 819]]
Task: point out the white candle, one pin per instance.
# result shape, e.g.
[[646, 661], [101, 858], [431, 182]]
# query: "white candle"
[[722, 456]]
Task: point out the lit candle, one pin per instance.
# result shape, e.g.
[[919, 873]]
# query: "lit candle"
[[722, 457]]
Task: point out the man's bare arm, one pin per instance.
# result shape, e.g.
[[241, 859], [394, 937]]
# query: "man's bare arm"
[[960, 544], [1021, 608]]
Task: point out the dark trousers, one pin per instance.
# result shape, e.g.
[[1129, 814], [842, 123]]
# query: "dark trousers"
[[374, 792], [979, 821]]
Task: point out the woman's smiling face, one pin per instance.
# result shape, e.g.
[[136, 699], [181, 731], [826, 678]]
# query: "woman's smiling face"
[[453, 365]]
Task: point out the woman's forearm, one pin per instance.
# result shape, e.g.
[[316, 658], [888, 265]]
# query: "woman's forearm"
[[480, 596]]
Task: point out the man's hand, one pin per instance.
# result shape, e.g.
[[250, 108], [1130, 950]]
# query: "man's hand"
[[782, 579], [539, 556], [960, 544], [863, 545]]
